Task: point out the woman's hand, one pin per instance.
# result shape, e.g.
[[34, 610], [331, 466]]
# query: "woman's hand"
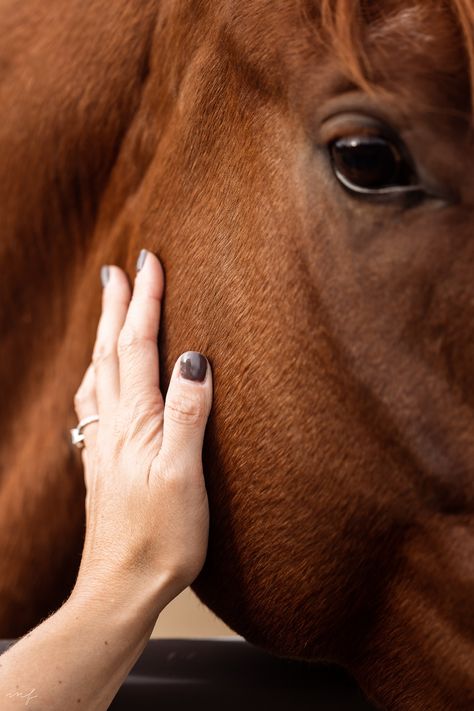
[[147, 509], [147, 513]]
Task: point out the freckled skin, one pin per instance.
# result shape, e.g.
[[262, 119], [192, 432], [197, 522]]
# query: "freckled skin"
[[338, 454]]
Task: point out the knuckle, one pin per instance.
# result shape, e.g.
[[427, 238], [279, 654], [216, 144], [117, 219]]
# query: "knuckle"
[[118, 440], [118, 429], [128, 341], [172, 475], [81, 398], [138, 417], [140, 411], [101, 354], [158, 407], [112, 443], [186, 409]]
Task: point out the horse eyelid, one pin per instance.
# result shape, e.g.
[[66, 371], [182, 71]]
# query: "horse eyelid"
[[390, 190]]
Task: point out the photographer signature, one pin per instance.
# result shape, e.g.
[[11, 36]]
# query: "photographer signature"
[[26, 695]]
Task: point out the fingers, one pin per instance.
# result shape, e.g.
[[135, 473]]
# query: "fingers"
[[187, 407], [85, 404], [137, 344], [115, 301]]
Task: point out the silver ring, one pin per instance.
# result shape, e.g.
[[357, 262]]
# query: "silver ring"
[[77, 435]]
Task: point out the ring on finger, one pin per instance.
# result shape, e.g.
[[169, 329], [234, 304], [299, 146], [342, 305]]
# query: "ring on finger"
[[77, 434]]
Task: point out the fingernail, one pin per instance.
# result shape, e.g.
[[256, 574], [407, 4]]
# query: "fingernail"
[[193, 366], [105, 275], [141, 259]]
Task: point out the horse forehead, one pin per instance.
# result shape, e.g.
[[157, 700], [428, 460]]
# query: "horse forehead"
[[287, 45], [265, 25]]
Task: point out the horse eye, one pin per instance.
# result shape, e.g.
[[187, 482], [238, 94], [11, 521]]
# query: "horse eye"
[[371, 165]]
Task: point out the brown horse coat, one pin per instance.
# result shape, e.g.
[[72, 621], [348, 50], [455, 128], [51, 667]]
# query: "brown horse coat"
[[340, 327]]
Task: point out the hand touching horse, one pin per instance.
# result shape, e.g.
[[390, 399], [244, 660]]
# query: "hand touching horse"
[[303, 170]]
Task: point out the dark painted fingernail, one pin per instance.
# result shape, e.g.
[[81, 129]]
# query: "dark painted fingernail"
[[141, 259], [105, 275], [193, 366]]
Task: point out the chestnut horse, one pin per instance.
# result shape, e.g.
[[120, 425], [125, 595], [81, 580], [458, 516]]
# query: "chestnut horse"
[[304, 171]]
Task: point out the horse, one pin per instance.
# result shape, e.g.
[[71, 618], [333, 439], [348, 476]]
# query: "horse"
[[303, 171]]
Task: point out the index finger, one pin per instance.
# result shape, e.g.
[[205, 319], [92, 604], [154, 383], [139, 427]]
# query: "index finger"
[[137, 343]]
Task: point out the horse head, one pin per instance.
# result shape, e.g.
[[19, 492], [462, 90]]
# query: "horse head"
[[303, 172]]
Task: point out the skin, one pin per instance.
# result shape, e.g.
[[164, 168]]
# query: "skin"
[[147, 523]]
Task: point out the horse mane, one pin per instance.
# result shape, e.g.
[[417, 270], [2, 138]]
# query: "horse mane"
[[351, 27]]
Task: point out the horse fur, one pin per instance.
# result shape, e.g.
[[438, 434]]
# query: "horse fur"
[[338, 457]]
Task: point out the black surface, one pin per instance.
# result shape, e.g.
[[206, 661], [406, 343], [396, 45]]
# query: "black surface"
[[230, 675]]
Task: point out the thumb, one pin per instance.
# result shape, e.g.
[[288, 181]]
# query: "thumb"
[[187, 406]]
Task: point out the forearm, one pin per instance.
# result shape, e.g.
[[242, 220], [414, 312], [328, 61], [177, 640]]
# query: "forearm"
[[80, 656]]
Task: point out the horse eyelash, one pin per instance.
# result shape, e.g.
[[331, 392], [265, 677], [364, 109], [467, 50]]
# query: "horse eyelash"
[[393, 190]]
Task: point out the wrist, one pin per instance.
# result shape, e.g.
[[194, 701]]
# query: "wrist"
[[91, 642], [125, 596]]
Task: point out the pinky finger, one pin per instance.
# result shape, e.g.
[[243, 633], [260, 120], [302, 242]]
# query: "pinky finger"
[[85, 403]]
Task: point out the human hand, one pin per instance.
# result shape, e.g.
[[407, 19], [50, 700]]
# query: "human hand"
[[146, 505], [147, 514]]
